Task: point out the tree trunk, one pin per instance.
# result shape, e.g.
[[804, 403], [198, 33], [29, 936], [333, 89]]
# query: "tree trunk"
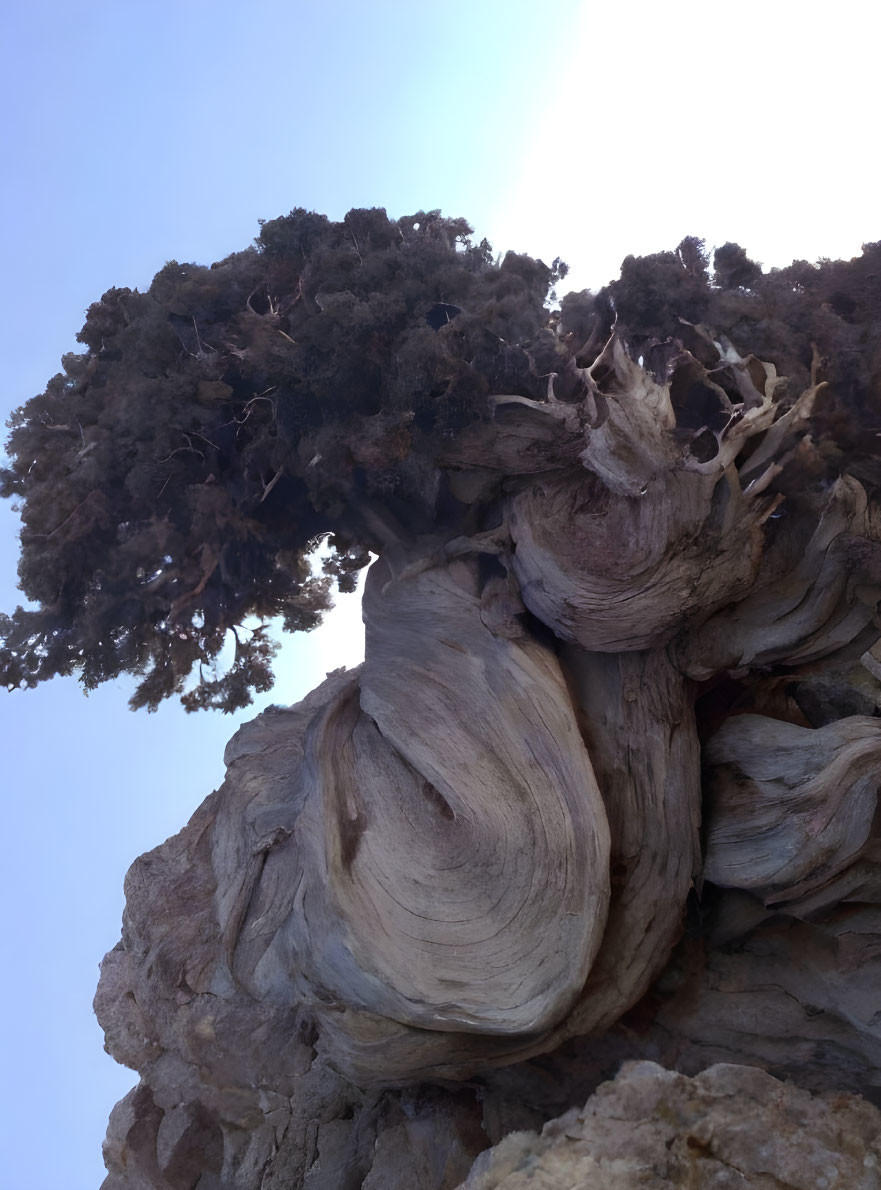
[[605, 787]]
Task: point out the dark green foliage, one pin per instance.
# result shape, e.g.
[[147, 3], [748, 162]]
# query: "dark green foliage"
[[733, 269], [654, 292], [175, 477]]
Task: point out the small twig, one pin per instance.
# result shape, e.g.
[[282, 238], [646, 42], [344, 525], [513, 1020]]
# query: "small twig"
[[196, 434], [201, 353], [64, 522], [262, 396], [758, 485], [771, 510], [208, 561], [240, 421], [183, 450], [268, 488]]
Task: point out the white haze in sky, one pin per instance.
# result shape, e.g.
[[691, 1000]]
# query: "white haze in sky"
[[755, 123]]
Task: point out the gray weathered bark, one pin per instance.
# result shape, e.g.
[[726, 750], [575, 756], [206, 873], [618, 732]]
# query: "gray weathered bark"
[[605, 787]]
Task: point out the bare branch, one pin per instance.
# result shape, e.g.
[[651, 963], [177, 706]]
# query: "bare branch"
[[268, 488]]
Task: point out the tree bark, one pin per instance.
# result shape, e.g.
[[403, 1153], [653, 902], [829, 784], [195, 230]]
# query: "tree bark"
[[605, 787]]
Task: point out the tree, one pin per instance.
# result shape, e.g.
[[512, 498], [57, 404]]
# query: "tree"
[[608, 775], [174, 478]]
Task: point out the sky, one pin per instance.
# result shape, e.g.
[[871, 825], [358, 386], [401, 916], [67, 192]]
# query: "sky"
[[134, 133]]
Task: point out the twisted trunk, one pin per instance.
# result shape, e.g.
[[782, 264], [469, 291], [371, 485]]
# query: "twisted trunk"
[[604, 787]]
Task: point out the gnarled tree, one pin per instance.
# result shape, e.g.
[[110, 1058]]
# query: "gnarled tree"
[[606, 784]]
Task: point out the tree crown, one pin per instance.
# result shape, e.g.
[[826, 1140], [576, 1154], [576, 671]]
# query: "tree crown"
[[174, 478]]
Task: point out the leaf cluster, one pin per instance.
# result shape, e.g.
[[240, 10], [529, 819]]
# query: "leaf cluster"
[[174, 478], [815, 321]]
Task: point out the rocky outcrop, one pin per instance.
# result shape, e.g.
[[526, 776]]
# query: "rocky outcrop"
[[729, 1127], [240, 1054]]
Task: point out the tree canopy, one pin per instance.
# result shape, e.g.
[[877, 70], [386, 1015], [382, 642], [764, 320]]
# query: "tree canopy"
[[175, 477]]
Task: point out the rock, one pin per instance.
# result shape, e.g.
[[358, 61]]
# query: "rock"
[[728, 1128]]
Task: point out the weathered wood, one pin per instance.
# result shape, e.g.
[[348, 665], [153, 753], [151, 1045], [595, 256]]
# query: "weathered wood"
[[804, 607], [617, 555], [455, 862], [788, 808], [507, 834], [637, 714], [471, 860]]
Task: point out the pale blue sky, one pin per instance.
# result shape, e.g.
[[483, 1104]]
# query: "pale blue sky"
[[139, 132]]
